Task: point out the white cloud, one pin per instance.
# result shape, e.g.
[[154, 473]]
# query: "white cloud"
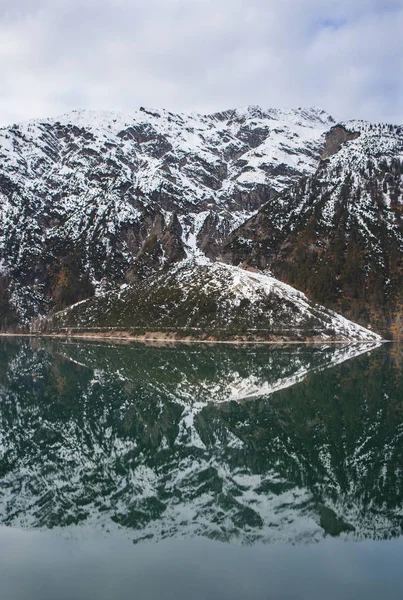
[[201, 55]]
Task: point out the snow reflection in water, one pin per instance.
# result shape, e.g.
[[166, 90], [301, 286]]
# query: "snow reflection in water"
[[238, 444]]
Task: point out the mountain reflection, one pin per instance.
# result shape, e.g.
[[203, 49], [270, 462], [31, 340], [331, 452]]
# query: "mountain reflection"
[[233, 443]]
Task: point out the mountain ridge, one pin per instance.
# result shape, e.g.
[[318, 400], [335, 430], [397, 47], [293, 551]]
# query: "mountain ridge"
[[91, 201]]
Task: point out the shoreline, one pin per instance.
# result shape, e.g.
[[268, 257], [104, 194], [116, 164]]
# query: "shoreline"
[[158, 337]]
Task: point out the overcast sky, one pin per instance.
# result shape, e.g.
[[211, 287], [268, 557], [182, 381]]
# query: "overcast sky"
[[345, 56]]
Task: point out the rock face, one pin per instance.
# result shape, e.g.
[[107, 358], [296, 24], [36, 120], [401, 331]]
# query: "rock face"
[[205, 299], [94, 200], [338, 234], [336, 137]]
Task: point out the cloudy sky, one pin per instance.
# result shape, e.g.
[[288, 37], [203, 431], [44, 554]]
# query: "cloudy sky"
[[343, 55]]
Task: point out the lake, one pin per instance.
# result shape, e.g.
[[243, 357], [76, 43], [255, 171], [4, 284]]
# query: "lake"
[[200, 471]]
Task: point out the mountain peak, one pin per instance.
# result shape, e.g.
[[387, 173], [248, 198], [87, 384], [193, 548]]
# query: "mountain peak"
[[302, 116]]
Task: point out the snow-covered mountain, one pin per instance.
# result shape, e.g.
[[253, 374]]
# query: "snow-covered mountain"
[[93, 201], [233, 443], [90, 200], [338, 234]]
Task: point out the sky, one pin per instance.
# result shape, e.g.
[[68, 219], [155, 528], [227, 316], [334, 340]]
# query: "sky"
[[345, 56]]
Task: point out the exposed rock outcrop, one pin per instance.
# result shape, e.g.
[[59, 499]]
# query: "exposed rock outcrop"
[[335, 138]]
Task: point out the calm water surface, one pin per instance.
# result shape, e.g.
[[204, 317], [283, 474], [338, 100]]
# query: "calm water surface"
[[200, 471]]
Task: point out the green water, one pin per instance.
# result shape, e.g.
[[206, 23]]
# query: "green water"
[[200, 471]]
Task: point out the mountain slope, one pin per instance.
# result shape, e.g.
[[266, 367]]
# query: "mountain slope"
[[338, 234], [201, 299], [93, 200]]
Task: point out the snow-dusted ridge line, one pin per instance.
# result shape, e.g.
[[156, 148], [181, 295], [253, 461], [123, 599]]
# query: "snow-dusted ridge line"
[[88, 117]]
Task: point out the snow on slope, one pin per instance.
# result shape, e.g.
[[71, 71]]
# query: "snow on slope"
[[337, 234], [196, 159], [211, 299], [375, 149], [151, 144], [278, 137]]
